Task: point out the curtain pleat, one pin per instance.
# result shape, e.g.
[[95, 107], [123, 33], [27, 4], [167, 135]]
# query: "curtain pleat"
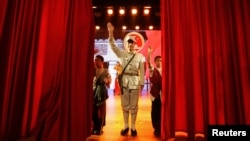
[[206, 59], [45, 82]]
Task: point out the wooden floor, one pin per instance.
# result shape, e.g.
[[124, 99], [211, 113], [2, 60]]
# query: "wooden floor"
[[114, 121]]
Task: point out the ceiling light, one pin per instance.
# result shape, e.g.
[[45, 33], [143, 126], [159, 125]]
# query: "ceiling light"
[[146, 11], [97, 27], [147, 7], [134, 11], [110, 11], [122, 11], [124, 27]]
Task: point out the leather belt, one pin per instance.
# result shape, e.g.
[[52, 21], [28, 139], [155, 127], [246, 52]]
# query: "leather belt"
[[131, 74]]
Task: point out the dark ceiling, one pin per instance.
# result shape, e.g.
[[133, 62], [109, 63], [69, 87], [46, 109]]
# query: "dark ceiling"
[[153, 3], [101, 17]]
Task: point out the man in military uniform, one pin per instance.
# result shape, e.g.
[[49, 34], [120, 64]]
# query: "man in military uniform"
[[132, 80]]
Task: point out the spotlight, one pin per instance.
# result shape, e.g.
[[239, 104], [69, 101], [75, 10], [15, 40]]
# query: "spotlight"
[[97, 27], [110, 11], [122, 11], [134, 11], [124, 27], [146, 11]]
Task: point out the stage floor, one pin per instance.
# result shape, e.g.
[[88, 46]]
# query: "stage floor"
[[114, 121]]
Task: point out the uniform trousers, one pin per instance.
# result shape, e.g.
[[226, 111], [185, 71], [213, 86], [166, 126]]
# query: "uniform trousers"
[[129, 103]]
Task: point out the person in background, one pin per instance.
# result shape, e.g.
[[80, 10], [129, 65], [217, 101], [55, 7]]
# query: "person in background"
[[118, 69], [132, 79], [101, 83], [155, 77]]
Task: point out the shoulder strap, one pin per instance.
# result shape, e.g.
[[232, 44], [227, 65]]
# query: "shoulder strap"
[[128, 63]]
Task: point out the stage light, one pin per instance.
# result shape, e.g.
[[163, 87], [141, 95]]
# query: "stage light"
[[134, 11], [97, 27], [121, 11], [124, 27], [137, 27], [110, 11], [144, 16], [146, 11]]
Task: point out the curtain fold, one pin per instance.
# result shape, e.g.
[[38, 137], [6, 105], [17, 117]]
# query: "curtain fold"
[[45, 84], [206, 59]]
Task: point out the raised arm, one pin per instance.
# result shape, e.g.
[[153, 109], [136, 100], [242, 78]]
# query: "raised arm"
[[149, 57], [110, 30], [142, 72], [111, 39]]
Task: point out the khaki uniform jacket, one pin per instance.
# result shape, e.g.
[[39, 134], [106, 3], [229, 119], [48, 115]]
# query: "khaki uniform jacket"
[[136, 66]]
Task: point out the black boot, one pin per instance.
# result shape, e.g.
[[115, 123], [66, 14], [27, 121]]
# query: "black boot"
[[124, 131], [133, 132]]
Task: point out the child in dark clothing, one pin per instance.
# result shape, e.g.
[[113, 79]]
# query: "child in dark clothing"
[[155, 91]]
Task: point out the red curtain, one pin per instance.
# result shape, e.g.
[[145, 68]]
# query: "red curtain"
[[206, 60], [45, 51]]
